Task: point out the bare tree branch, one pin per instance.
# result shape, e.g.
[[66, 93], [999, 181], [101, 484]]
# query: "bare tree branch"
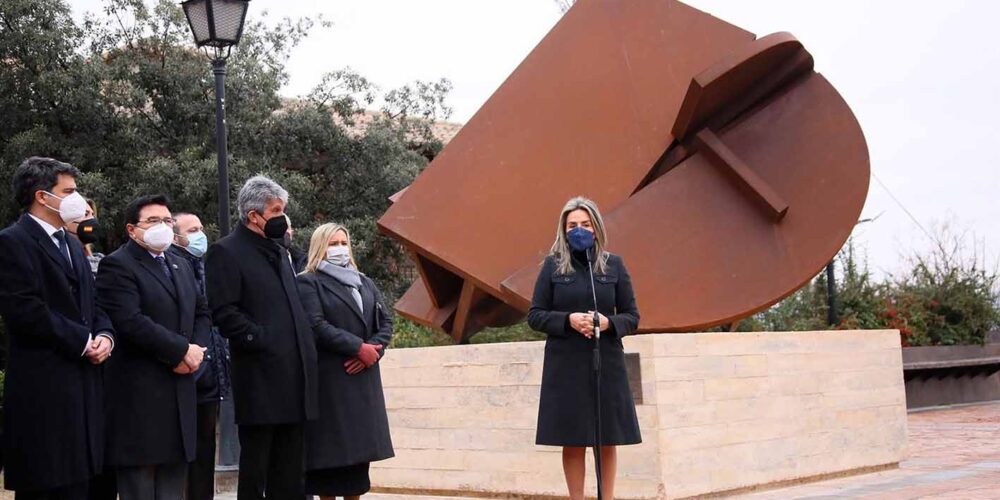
[[564, 5]]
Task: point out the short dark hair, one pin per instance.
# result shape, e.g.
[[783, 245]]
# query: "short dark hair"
[[37, 174], [133, 209], [177, 216]]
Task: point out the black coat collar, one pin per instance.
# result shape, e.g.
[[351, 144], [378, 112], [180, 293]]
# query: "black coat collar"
[[244, 233], [45, 242], [152, 267], [343, 293], [180, 253]]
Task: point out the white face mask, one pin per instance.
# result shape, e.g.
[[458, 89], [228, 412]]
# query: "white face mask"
[[72, 208], [339, 255], [158, 238]]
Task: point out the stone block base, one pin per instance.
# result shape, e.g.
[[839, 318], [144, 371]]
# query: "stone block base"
[[720, 412]]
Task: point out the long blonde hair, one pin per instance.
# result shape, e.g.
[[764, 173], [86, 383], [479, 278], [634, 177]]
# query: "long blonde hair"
[[560, 248], [320, 241]]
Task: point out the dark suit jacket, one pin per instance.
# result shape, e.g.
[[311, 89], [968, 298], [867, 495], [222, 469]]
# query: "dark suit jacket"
[[209, 380], [53, 420], [353, 427], [255, 304], [299, 259], [151, 410]]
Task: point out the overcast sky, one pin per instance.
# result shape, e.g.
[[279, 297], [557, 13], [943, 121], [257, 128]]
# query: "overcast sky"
[[921, 76]]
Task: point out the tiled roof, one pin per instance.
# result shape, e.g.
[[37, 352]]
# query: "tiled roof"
[[444, 131]]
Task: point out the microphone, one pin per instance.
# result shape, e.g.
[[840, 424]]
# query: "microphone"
[[593, 290], [596, 365]]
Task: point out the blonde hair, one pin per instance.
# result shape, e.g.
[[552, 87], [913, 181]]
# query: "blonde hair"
[[560, 248], [320, 241]]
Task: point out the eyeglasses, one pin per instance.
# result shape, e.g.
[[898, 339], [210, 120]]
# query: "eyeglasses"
[[152, 221]]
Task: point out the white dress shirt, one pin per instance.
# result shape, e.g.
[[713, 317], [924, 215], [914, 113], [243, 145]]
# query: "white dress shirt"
[[51, 231]]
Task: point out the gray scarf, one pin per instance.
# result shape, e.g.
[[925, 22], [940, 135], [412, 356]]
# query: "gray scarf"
[[346, 276]]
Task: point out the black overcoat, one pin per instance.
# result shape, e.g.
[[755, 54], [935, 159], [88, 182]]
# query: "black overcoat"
[[53, 416], [150, 409], [255, 304], [566, 403], [211, 382], [353, 427]]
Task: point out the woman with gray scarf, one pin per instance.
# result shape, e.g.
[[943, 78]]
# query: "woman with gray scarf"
[[353, 329]]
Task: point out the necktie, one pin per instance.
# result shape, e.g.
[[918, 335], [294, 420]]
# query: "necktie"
[[163, 266], [63, 246], [291, 263]]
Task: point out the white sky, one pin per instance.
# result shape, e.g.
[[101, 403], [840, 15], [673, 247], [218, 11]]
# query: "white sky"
[[921, 76]]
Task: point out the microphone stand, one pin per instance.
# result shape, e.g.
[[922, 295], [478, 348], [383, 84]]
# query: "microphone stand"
[[597, 380]]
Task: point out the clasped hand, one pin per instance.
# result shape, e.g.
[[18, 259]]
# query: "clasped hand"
[[368, 354], [99, 350], [192, 360], [583, 323]]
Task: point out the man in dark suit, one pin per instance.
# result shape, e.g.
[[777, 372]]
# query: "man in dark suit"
[[159, 314], [212, 379], [255, 304], [53, 419], [297, 256]]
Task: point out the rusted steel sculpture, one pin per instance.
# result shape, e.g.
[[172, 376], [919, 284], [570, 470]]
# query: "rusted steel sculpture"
[[729, 171]]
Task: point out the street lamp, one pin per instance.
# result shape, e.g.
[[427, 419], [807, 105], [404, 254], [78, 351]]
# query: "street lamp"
[[218, 24]]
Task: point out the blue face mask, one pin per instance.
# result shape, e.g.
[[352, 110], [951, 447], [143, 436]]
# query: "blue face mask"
[[580, 239], [197, 243]]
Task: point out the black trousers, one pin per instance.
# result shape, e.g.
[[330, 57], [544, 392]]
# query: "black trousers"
[[271, 462], [72, 492], [152, 482], [201, 472], [104, 486]]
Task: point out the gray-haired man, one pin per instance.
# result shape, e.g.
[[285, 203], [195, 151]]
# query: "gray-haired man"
[[252, 293]]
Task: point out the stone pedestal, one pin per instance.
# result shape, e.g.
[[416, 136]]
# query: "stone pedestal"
[[719, 412]]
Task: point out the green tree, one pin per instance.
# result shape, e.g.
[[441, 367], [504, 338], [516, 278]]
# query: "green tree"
[[860, 301], [948, 297], [127, 98]]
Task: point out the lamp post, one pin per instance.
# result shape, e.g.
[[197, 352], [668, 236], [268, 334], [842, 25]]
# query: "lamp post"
[[218, 25]]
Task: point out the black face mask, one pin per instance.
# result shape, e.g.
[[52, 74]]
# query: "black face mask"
[[276, 227], [86, 231]]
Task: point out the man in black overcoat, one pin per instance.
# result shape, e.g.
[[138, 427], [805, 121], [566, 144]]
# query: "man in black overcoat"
[[212, 379], [255, 304], [154, 303], [53, 436]]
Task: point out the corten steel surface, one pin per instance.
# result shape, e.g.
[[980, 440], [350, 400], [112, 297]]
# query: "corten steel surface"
[[728, 171]]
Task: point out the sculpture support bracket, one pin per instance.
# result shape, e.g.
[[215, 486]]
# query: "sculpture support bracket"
[[759, 190]]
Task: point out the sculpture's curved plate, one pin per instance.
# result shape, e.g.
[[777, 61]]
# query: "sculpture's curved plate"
[[728, 170], [701, 253]]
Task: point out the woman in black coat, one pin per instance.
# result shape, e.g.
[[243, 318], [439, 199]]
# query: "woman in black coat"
[[562, 308], [352, 328]]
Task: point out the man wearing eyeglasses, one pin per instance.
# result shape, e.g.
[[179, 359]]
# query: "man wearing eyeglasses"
[[155, 303], [212, 379]]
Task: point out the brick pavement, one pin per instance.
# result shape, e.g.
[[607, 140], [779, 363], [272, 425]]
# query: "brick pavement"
[[954, 454]]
